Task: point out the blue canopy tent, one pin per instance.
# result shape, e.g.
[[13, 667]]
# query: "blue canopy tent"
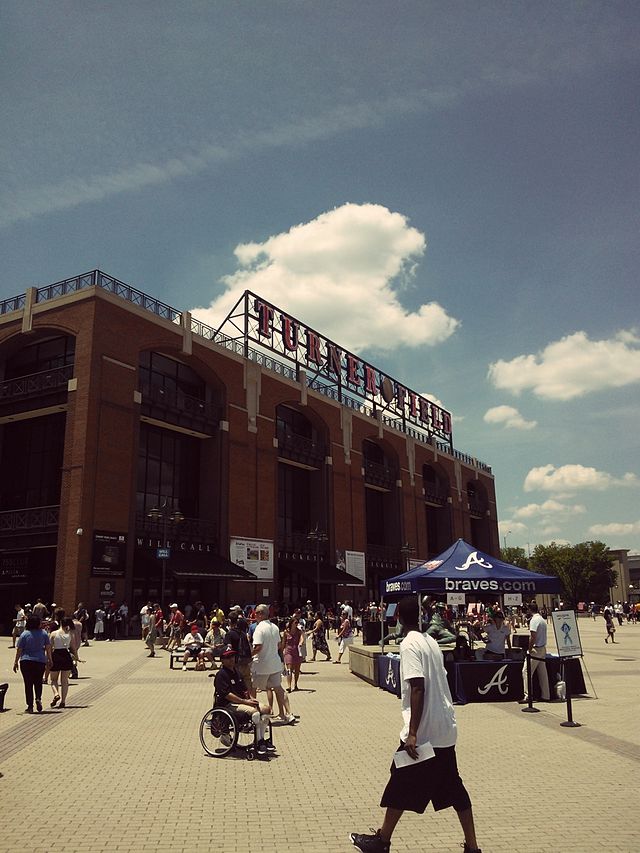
[[463, 568]]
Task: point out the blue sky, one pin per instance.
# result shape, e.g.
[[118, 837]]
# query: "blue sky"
[[460, 178]]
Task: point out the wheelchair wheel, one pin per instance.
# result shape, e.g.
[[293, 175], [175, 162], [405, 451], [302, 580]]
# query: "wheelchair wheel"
[[218, 732]]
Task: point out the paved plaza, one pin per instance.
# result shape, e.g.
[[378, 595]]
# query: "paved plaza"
[[108, 772]]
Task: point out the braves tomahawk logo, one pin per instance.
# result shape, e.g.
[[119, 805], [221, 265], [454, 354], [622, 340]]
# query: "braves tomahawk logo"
[[391, 678], [474, 560], [498, 680]]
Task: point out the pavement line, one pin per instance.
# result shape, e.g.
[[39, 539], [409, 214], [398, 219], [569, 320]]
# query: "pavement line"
[[623, 748], [30, 728]]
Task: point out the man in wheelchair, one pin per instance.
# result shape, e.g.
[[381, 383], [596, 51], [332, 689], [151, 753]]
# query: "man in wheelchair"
[[232, 694]]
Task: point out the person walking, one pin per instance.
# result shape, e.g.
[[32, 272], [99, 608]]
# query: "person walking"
[[428, 738], [98, 628], [152, 635], [292, 638], [610, 625], [344, 635], [266, 670], [33, 653], [319, 638], [62, 660]]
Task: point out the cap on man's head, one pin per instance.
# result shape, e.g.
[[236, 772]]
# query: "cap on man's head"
[[235, 607], [229, 652], [173, 605], [194, 629]]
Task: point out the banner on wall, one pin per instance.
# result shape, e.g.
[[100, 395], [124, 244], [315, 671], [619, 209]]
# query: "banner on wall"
[[355, 565], [109, 554], [253, 555]]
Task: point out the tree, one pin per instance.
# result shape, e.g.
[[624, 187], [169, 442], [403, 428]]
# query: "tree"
[[584, 569], [515, 556]]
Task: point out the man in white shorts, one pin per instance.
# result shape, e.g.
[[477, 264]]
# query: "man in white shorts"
[[266, 669]]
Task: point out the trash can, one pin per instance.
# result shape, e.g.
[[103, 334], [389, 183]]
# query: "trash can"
[[371, 633]]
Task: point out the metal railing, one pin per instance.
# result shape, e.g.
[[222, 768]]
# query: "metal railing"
[[96, 278], [301, 449], [435, 495], [180, 404], [299, 543], [36, 384], [377, 474], [384, 555], [194, 530], [29, 520]]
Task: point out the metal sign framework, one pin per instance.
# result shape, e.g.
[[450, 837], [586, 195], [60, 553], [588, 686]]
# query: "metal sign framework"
[[331, 369]]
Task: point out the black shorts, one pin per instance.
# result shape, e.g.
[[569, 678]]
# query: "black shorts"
[[434, 781]]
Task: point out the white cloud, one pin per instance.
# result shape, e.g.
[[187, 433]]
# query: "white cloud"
[[549, 530], [550, 507], [571, 478], [509, 526], [572, 367], [340, 273], [509, 417], [616, 528], [434, 399]]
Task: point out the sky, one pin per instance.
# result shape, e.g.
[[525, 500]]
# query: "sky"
[[448, 189]]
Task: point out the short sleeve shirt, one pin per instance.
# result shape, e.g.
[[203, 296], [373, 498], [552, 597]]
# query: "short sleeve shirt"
[[421, 657], [268, 660], [497, 637], [228, 681], [539, 626], [32, 645]]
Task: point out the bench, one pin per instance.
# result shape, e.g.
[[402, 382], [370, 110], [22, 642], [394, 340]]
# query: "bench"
[[176, 657]]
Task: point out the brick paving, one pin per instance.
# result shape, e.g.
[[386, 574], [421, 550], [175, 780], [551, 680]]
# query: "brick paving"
[[116, 759]]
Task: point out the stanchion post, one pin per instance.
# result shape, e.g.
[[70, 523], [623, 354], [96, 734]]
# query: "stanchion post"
[[568, 723], [529, 709]]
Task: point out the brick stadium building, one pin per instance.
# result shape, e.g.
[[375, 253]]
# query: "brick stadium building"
[[142, 451]]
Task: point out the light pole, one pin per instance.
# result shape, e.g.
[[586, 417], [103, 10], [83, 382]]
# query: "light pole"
[[165, 514], [504, 539], [407, 550], [316, 535]]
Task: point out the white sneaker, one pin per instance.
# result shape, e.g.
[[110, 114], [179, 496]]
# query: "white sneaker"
[[289, 719], [184, 667]]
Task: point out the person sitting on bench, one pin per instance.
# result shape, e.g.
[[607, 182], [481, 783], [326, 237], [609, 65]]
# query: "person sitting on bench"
[[193, 643]]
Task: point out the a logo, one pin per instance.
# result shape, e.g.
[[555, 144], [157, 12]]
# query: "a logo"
[[499, 680], [472, 560], [391, 677]]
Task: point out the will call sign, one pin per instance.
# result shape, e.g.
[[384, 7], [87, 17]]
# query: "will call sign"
[[299, 343]]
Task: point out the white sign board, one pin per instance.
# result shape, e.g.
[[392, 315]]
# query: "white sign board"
[[513, 599], [355, 565], [565, 627], [254, 555], [455, 598]]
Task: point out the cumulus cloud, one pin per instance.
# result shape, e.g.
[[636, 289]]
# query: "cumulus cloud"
[[510, 525], [509, 417], [571, 478], [550, 507], [434, 399], [616, 528], [341, 273], [572, 367]]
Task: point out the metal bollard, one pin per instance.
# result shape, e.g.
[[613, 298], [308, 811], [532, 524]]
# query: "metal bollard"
[[529, 709]]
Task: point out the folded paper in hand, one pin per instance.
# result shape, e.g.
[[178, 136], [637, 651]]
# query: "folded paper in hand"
[[402, 758]]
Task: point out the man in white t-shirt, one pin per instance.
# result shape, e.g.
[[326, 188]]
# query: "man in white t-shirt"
[[428, 718], [538, 653], [266, 669]]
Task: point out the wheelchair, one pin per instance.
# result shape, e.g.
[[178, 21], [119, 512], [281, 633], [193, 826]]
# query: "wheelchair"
[[222, 731]]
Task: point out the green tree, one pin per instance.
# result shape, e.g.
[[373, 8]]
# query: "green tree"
[[515, 556], [583, 569]]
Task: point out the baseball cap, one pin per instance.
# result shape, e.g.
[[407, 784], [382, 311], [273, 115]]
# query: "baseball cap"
[[173, 605], [229, 652], [235, 607], [194, 629]]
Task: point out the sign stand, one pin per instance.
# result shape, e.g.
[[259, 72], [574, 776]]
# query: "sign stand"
[[565, 627], [529, 709], [568, 723]]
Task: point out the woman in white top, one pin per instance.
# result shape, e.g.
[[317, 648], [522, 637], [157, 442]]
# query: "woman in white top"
[[62, 655]]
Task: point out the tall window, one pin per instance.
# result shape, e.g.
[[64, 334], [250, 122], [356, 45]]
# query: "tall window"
[[32, 452], [171, 376], [168, 466], [294, 498], [44, 354]]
